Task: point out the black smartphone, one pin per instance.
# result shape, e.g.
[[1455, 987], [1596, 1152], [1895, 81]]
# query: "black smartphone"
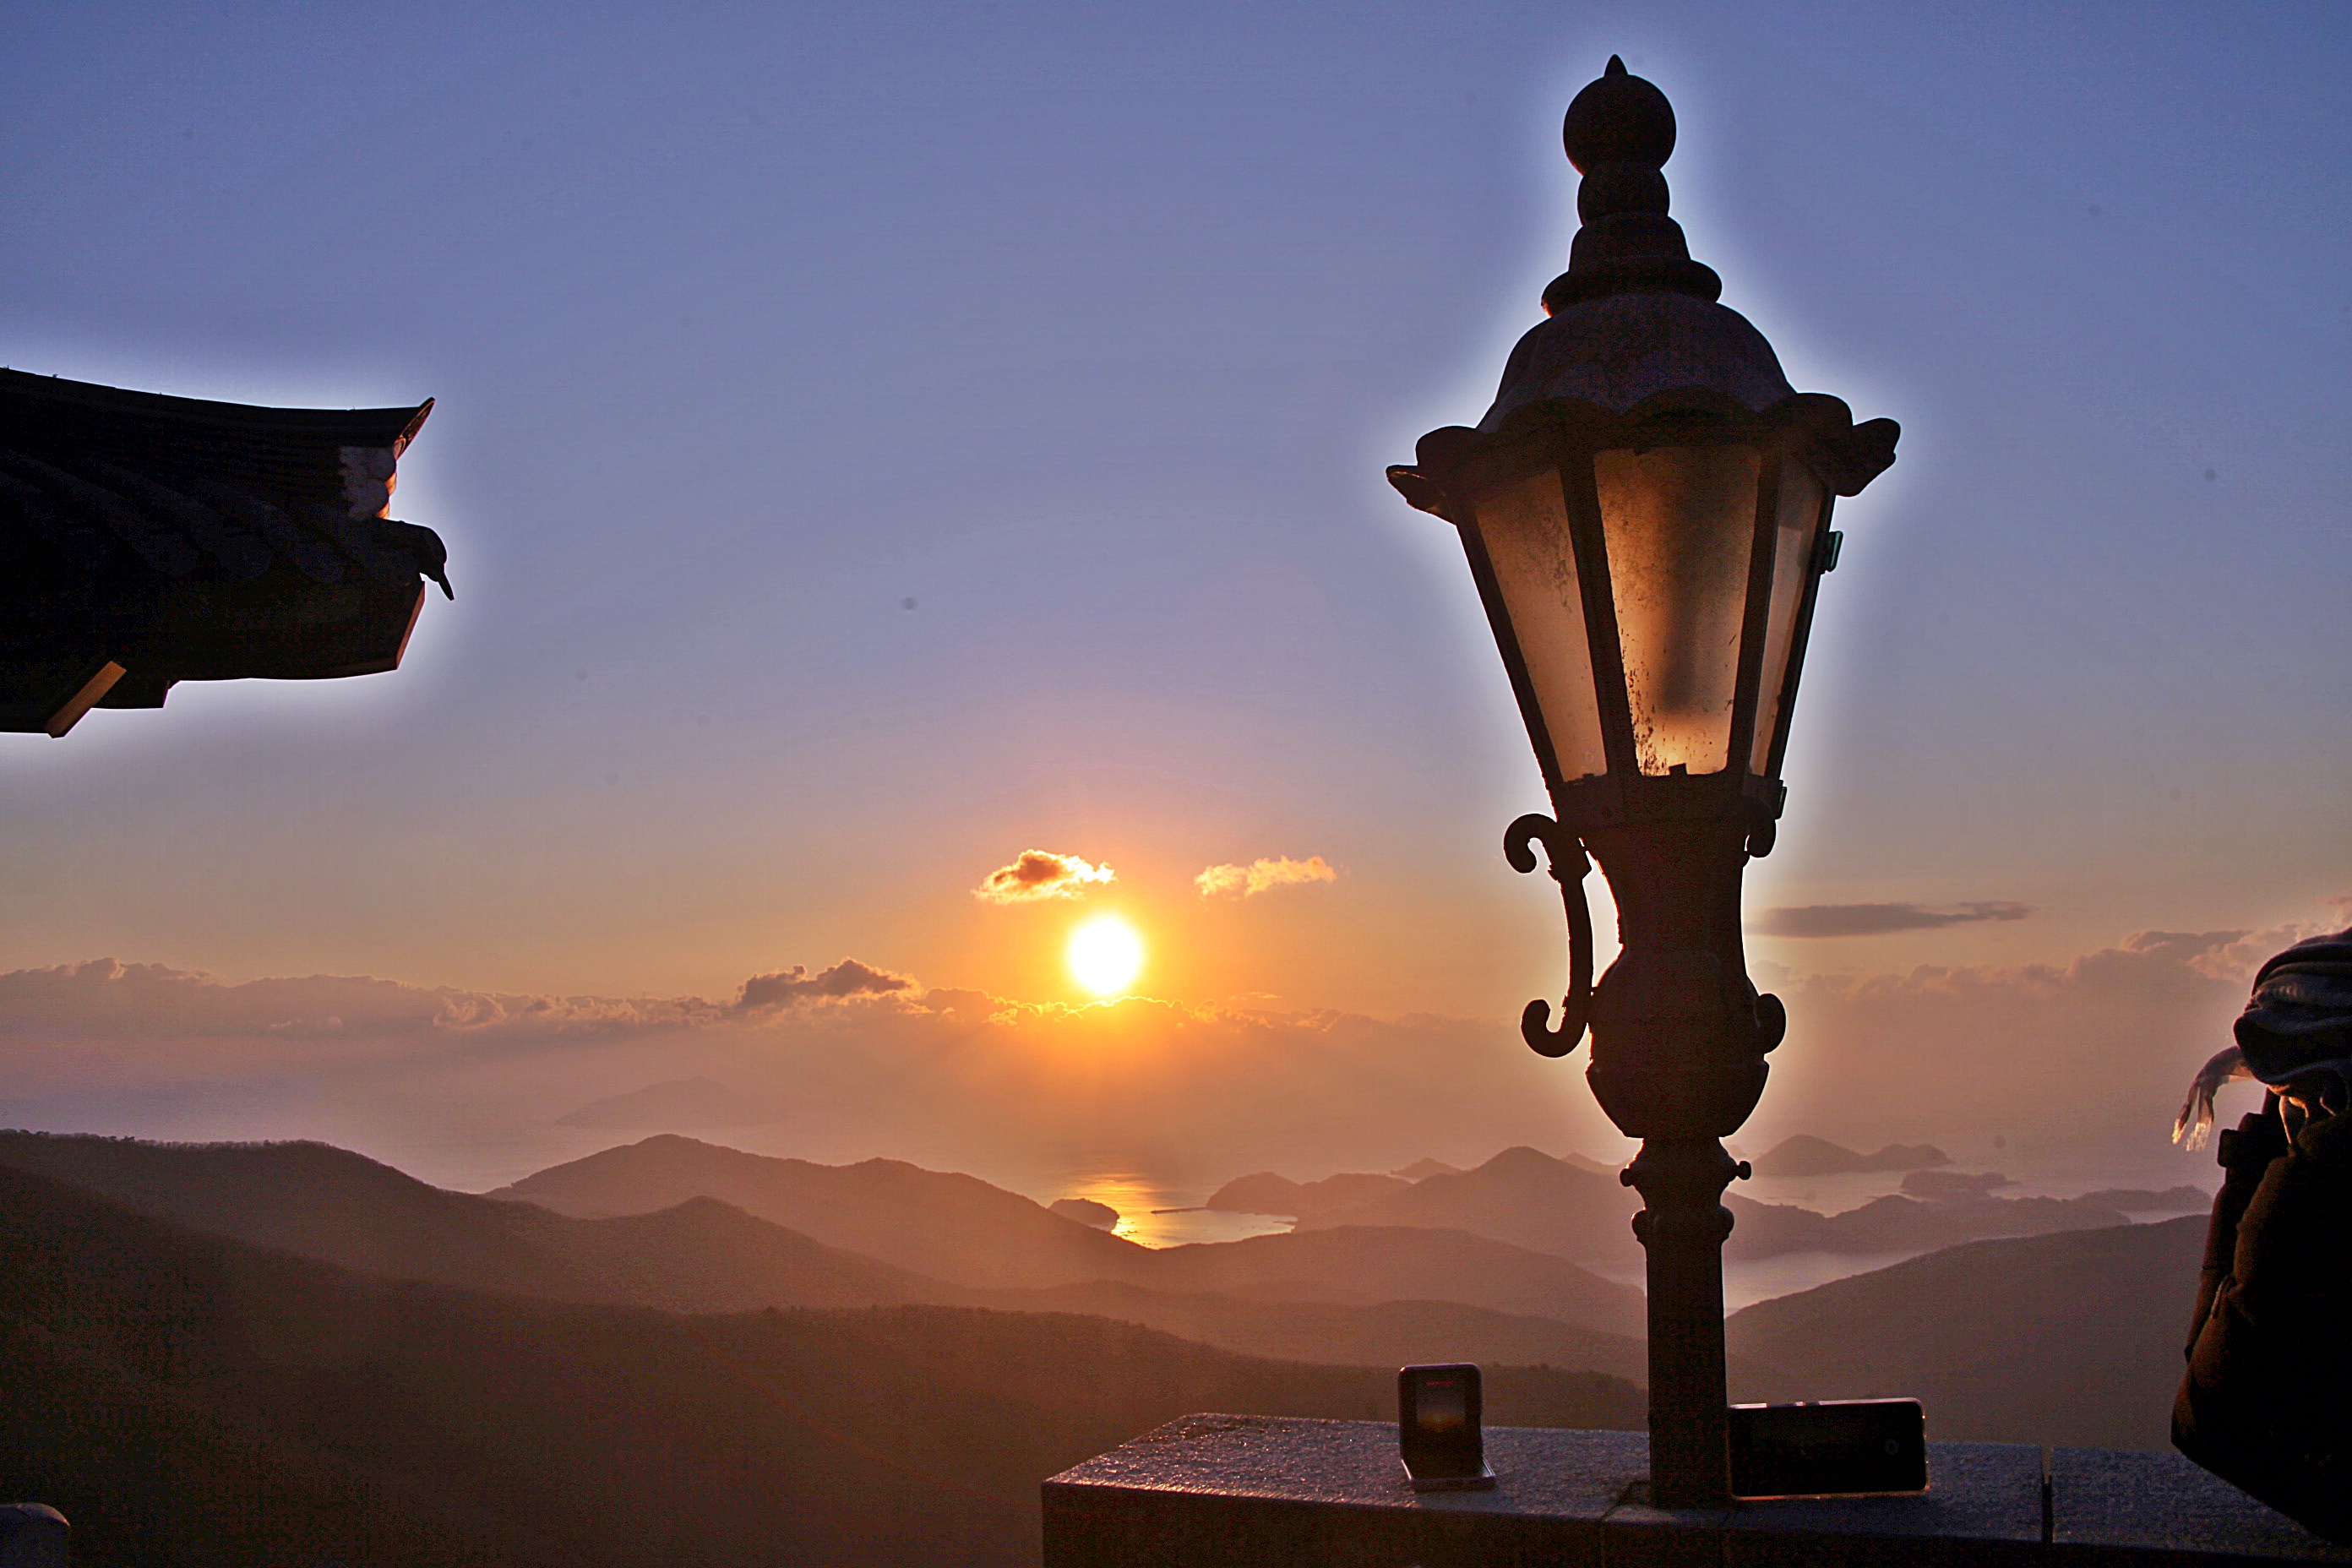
[[1440, 1431], [1836, 1447]]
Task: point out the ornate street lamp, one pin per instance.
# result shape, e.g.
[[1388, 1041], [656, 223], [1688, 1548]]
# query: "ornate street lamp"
[[1646, 509]]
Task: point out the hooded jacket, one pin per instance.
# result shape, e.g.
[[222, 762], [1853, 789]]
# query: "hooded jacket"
[[2266, 1403]]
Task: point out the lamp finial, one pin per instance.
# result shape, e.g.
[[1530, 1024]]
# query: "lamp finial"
[[1617, 132]]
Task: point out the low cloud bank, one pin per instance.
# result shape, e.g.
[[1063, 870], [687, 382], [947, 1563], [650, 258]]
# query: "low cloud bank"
[[852, 1061], [1259, 876], [843, 1064], [2056, 1055], [104, 999], [1876, 919], [1041, 874]]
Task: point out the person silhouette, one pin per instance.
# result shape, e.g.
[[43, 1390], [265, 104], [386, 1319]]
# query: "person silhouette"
[[2266, 1402]]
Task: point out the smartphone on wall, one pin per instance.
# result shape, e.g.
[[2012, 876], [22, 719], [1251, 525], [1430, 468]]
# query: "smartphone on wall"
[[1440, 1433], [1833, 1447]]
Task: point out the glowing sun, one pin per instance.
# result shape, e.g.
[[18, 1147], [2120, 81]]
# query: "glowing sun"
[[1105, 955]]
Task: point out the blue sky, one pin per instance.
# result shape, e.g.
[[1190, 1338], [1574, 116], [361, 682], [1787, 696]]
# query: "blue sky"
[[1088, 330]]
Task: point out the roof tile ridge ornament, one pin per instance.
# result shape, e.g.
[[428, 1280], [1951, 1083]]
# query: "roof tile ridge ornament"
[[1618, 132], [156, 539]]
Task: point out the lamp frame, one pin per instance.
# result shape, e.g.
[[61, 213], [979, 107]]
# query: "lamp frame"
[[1457, 467]]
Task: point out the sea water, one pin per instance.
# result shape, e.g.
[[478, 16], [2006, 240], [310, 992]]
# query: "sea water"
[[1153, 1213]]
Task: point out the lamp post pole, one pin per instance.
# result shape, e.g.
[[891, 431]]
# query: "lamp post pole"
[[1678, 885], [1645, 512]]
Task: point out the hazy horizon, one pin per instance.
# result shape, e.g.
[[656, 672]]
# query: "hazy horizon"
[[2061, 1076]]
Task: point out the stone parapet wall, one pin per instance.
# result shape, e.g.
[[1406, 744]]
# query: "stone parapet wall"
[[1239, 1491]]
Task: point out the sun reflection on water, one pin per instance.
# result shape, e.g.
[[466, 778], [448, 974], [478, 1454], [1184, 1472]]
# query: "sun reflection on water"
[[1153, 1215]]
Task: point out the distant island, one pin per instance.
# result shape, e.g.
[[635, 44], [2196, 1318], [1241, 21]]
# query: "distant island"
[[1262, 1192], [2171, 1200], [1955, 1183], [1577, 1209], [1086, 1211], [1805, 1155]]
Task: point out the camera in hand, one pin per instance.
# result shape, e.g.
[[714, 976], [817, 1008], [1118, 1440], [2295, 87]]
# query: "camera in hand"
[[1440, 1436], [1835, 1448]]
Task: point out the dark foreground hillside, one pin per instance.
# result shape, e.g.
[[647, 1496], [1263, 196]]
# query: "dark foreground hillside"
[[2067, 1339], [188, 1399]]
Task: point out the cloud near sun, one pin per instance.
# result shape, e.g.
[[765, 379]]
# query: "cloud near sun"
[[1041, 874], [1258, 876], [794, 986]]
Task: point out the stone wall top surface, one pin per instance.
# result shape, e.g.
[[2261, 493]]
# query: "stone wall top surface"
[[1218, 1489]]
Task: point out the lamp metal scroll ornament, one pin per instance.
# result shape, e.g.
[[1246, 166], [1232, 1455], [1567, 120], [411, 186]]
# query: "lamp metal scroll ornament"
[[1645, 511]]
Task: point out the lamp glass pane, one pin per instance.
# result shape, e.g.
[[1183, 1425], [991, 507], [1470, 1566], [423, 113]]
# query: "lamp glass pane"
[[1525, 529], [1797, 525], [1680, 524]]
